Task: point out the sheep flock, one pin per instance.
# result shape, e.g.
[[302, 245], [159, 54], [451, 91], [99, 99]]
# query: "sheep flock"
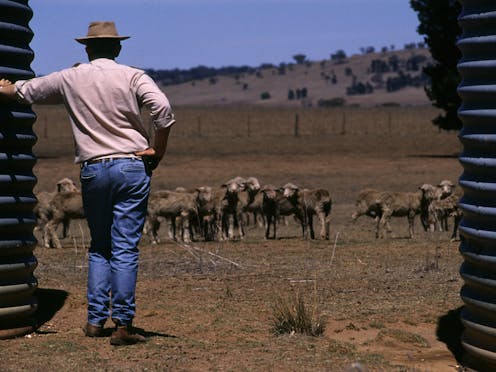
[[222, 213]]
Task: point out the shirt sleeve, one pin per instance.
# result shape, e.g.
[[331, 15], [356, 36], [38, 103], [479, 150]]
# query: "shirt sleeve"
[[150, 95], [44, 89]]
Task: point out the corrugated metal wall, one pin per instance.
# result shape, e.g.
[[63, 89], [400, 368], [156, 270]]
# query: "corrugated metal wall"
[[478, 136], [17, 262]]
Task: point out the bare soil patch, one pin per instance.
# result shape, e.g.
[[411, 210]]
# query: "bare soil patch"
[[389, 304]]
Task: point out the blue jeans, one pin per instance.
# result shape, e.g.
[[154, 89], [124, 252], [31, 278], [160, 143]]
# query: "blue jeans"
[[115, 197]]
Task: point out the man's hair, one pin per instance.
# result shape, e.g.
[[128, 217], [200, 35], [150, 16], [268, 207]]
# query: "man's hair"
[[103, 47]]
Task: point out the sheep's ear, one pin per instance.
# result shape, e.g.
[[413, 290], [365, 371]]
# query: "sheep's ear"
[[223, 185], [59, 187]]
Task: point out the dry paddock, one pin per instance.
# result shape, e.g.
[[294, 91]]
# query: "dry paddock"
[[388, 304]]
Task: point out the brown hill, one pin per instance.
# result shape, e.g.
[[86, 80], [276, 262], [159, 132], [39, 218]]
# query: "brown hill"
[[316, 77]]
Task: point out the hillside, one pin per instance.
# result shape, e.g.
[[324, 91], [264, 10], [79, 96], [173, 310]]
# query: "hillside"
[[317, 78]]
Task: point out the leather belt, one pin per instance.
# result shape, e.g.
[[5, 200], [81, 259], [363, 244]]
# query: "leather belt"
[[105, 159]]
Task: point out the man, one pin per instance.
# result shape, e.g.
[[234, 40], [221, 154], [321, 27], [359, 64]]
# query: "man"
[[103, 99]]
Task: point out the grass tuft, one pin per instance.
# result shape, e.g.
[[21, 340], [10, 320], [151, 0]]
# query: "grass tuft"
[[291, 316]]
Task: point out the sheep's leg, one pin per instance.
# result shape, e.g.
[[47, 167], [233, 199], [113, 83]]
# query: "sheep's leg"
[[226, 219], [445, 222], [377, 221], [260, 219], [274, 224], [221, 227], [185, 227], [173, 228], [411, 220], [300, 217], [456, 222], [324, 225], [267, 227], [310, 225], [45, 235], [209, 228], [154, 225], [51, 231], [230, 227], [65, 227], [384, 223], [238, 222], [438, 221]]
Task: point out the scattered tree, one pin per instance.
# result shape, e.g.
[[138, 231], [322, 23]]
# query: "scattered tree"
[[300, 58], [265, 95], [339, 56]]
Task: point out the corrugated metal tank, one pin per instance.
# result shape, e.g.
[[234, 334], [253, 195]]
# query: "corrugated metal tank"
[[17, 262], [478, 135]]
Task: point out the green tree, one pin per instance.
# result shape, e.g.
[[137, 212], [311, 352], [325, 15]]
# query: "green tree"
[[439, 25]]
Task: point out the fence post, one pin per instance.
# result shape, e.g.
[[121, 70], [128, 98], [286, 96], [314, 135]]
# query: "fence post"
[[296, 126], [389, 124], [343, 124]]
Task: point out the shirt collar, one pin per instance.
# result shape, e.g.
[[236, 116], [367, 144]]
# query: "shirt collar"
[[102, 61]]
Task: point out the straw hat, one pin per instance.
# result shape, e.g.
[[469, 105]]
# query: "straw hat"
[[101, 30]]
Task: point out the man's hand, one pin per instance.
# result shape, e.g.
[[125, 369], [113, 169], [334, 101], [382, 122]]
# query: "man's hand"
[[150, 151], [5, 82], [149, 159], [7, 90]]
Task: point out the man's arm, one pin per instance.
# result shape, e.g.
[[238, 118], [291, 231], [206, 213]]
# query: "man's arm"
[[159, 144], [160, 141], [153, 155], [7, 91]]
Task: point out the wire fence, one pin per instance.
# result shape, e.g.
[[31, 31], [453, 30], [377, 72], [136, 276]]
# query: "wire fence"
[[55, 137]]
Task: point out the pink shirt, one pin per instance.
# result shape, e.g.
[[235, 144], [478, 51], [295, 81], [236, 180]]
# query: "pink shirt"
[[103, 99]]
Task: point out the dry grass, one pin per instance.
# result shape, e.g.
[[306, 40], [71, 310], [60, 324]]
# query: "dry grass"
[[209, 314], [292, 315]]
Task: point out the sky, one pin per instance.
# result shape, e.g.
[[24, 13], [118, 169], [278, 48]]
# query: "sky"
[[168, 34]]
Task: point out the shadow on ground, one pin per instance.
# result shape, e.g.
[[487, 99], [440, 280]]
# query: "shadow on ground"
[[449, 330], [435, 156], [50, 301]]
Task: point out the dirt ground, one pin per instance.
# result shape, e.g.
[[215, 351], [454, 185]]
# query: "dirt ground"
[[390, 304]]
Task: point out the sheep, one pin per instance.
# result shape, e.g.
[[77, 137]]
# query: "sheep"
[[448, 207], [309, 203], [251, 200], [43, 210], [398, 204], [178, 207], [430, 194], [367, 204], [270, 209], [206, 212], [65, 206], [226, 205], [445, 189]]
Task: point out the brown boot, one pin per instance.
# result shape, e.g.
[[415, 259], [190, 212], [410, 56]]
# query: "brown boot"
[[125, 335], [91, 330]]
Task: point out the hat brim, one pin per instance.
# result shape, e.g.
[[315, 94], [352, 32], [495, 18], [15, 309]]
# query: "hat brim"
[[84, 40]]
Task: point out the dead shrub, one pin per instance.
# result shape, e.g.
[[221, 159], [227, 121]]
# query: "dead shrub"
[[292, 316]]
